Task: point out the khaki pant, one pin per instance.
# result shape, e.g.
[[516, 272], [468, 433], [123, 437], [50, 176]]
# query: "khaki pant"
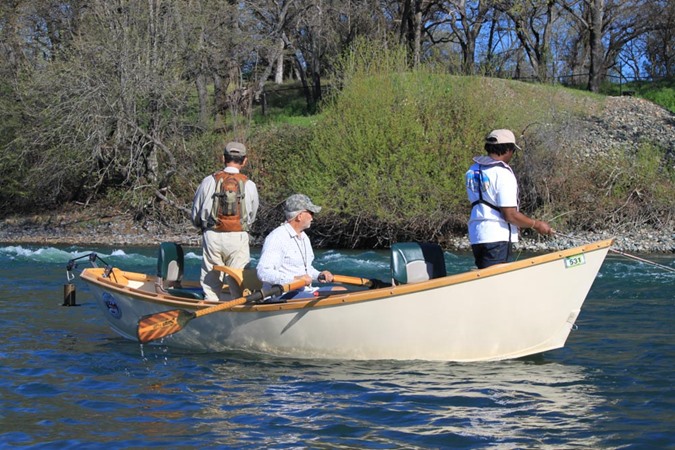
[[222, 249]]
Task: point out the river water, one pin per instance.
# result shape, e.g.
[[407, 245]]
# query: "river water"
[[67, 381]]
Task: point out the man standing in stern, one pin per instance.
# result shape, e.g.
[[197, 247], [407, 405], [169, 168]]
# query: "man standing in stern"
[[492, 189], [224, 208]]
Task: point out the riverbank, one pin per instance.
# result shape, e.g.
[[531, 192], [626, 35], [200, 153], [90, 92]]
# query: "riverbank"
[[85, 226], [624, 123]]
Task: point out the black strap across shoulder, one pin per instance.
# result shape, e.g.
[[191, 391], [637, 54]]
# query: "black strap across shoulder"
[[478, 177]]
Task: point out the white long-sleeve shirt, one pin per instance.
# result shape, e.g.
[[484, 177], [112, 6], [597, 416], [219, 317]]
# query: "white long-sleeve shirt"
[[203, 200], [285, 254]]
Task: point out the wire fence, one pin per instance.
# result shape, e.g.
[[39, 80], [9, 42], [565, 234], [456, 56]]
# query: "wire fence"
[[612, 84]]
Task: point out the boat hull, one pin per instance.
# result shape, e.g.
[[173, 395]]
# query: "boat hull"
[[506, 311]]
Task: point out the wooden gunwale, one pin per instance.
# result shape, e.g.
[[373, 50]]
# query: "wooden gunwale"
[[95, 276], [376, 294]]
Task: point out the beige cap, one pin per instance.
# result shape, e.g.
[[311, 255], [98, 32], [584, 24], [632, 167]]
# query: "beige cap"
[[235, 149], [501, 137]]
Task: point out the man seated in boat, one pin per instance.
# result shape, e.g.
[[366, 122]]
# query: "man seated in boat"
[[287, 253]]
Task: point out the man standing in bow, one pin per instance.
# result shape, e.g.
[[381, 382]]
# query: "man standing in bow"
[[493, 192], [224, 208]]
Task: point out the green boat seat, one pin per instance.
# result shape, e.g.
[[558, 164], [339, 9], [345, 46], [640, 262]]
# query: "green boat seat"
[[413, 262], [170, 265]]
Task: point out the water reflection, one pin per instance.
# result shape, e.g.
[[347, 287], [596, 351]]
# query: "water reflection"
[[403, 401]]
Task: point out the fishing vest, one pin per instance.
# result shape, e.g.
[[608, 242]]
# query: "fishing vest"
[[478, 181], [228, 212]]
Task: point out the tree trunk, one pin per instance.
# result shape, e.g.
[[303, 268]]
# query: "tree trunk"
[[297, 56], [219, 102], [410, 31], [150, 153], [468, 57], [279, 74], [417, 35], [490, 46], [596, 47], [203, 96]]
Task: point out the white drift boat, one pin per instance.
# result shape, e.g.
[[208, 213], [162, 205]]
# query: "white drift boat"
[[506, 311]]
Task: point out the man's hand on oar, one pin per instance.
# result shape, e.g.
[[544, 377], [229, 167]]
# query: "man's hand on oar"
[[370, 283], [159, 325]]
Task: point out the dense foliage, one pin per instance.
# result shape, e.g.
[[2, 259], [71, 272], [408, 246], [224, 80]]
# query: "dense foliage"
[[388, 154]]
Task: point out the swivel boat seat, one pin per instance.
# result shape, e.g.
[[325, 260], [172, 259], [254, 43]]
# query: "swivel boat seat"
[[170, 265], [414, 262]]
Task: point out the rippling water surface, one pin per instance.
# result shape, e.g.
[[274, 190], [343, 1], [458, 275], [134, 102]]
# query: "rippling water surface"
[[66, 381]]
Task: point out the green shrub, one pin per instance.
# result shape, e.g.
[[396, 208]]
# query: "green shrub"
[[391, 149], [276, 161], [386, 158], [664, 97], [614, 190], [642, 185]]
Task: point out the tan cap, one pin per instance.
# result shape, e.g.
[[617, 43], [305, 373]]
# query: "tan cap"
[[235, 149], [501, 137]]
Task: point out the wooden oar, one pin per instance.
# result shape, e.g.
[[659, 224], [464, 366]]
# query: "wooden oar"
[[159, 325], [370, 283]]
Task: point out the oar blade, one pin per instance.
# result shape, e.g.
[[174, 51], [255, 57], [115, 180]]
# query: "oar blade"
[[166, 323], [159, 325]]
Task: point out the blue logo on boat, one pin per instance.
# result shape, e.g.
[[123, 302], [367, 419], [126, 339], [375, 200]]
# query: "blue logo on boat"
[[111, 304]]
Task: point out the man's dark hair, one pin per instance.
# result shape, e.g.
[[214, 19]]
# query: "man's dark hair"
[[237, 159], [499, 149]]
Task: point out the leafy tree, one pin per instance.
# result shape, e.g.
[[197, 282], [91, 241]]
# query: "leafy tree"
[[607, 26], [659, 43], [101, 115]]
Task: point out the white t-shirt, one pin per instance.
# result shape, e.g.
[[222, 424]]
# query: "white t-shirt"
[[499, 187]]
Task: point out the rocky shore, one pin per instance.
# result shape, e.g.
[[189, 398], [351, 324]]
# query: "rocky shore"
[[624, 122], [84, 227]]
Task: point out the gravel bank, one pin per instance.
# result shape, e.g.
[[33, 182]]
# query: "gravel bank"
[[626, 122], [86, 228]]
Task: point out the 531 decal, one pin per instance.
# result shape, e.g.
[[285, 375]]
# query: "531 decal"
[[575, 260]]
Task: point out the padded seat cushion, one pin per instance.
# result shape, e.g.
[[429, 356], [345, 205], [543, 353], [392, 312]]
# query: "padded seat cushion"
[[170, 266], [170, 262], [186, 293], [413, 262]]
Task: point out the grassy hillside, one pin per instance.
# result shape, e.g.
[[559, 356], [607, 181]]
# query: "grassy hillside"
[[387, 156]]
